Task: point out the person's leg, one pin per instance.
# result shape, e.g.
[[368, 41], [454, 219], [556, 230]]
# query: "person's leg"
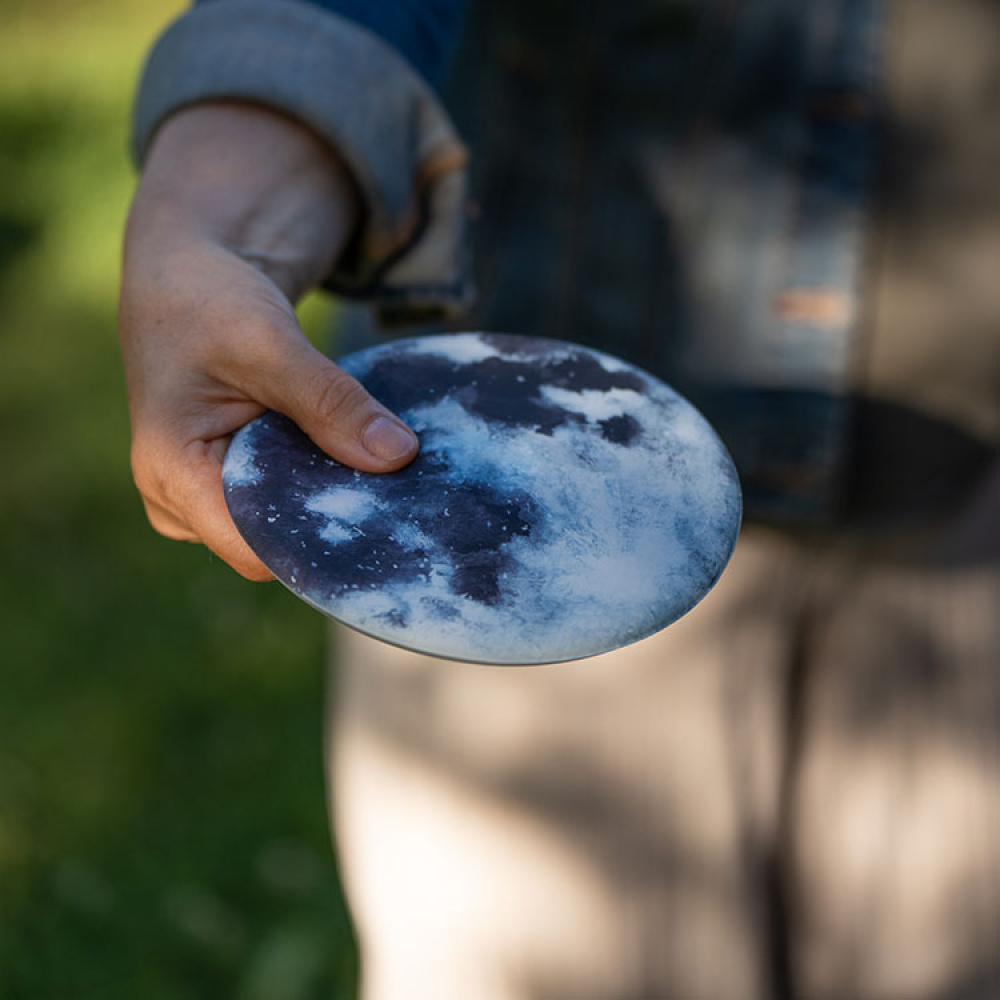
[[591, 830], [895, 813]]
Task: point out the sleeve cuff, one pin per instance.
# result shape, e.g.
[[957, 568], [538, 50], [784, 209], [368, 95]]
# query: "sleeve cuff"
[[360, 95]]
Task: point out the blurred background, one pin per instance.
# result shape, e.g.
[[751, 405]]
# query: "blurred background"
[[162, 821]]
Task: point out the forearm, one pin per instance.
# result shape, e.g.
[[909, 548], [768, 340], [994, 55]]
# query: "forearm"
[[252, 181], [354, 91]]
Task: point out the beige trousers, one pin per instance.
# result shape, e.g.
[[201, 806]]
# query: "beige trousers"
[[792, 792]]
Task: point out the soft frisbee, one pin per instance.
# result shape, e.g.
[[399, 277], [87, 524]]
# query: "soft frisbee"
[[564, 503]]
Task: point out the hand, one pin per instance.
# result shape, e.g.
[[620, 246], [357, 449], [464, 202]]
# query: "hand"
[[238, 212]]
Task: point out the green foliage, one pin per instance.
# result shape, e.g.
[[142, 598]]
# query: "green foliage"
[[162, 821]]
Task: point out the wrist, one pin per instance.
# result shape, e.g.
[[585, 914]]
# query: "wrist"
[[252, 181]]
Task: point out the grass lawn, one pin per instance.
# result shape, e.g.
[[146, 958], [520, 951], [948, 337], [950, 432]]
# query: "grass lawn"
[[162, 825]]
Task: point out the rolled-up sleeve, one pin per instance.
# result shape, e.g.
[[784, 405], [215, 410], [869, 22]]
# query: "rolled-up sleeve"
[[422, 31], [358, 89]]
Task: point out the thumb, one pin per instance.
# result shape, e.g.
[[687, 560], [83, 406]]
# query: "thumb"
[[335, 410]]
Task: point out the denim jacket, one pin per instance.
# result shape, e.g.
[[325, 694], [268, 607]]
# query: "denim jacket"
[[680, 182]]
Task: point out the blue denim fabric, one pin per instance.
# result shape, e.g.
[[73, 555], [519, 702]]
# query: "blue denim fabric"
[[423, 31], [684, 183]]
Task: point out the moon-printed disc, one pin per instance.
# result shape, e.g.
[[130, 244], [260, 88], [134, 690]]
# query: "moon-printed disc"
[[563, 503]]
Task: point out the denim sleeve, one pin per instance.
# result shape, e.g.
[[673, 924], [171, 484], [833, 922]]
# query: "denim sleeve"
[[422, 31], [364, 88]]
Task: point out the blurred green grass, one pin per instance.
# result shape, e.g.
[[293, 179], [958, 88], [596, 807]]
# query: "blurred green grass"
[[162, 821]]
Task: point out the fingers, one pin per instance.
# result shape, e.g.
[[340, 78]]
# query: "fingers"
[[187, 504], [199, 366], [334, 409], [201, 495]]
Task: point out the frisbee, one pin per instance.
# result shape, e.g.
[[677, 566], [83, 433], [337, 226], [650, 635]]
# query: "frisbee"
[[564, 503]]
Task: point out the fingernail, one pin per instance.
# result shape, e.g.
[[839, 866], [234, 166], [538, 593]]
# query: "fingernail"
[[388, 440]]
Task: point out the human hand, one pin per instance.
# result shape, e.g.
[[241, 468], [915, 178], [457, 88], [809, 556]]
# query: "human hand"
[[238, 212]]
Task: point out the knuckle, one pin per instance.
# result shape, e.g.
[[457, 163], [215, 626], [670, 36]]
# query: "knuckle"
[[147, 473], [338, 396], [145, 479], [167, 526], [260, 361]]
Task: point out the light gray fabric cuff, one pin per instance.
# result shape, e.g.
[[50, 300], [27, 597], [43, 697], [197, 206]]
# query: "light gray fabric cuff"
[[359, 94]]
